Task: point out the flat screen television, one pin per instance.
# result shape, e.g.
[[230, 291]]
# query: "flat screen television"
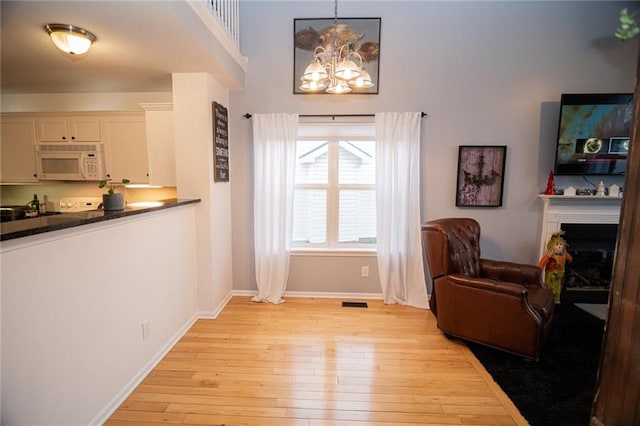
[[593, 134]]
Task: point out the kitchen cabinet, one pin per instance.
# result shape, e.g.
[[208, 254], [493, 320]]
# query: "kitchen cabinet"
[[160, 146], [57, 128], [17, 153], [125, 145]]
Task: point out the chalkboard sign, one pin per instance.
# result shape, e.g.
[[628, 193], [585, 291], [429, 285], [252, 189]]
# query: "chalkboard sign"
[[220, 143]]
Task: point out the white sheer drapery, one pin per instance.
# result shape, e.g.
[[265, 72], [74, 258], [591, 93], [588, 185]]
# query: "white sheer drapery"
[[274, 149], [399, 245]]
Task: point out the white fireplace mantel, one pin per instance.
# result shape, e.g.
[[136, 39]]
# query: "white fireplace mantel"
[[559, 209]]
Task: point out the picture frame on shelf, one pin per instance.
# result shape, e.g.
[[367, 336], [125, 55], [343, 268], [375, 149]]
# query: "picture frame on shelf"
[[480, 179]]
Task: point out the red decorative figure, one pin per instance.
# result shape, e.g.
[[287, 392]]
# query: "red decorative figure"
[[551, 190]]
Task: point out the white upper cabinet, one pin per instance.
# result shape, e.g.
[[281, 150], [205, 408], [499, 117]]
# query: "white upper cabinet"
[[125, 145], [17, 153], [137, 145], [59, 128], [160, 146]]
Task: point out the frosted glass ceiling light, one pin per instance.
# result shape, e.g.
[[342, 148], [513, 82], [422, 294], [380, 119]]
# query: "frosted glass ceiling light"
[[333, 69], [70, 39]]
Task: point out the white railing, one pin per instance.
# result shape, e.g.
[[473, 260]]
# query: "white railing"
[[227, 14]]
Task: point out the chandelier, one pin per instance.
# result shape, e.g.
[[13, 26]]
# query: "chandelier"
[[334, 69]]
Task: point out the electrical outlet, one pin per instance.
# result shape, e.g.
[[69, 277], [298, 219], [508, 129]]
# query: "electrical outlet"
[[146, 329], [365, 271]]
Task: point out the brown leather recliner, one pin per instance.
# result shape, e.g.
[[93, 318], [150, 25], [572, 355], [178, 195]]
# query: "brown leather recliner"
[[499, 304]]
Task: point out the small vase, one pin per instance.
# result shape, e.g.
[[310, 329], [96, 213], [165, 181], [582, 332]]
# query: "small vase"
[[113, 202]]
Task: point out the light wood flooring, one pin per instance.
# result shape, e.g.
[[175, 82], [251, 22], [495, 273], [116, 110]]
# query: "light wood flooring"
[[313, 362]]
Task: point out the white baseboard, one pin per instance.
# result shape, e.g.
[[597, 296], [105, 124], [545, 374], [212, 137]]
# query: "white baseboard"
[[214, 314], [119, 398], [325, 295], [315, 294], [244, 293]]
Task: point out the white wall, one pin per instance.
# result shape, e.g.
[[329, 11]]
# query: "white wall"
[[61, 102], [193, 94], [73, 303], [486, 73]]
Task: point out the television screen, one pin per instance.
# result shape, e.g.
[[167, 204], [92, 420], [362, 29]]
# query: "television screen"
[[593, 134]]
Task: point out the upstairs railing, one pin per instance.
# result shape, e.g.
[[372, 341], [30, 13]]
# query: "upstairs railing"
[[227, 14]]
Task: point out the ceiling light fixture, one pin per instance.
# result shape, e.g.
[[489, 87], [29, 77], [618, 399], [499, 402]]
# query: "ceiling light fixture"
[[334, 69], [69, 38]]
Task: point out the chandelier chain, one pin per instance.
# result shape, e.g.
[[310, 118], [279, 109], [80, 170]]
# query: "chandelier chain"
[[335, 26], [333, 68]]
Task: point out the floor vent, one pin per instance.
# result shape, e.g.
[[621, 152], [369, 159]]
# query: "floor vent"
[[354, 305]]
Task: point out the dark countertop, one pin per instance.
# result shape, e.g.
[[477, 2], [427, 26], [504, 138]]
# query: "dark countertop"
[[38, 225]]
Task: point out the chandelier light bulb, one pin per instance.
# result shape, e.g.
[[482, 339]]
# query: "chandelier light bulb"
[[363, 81], [313, 86], [315, 72], [347, 70], [338, 87]]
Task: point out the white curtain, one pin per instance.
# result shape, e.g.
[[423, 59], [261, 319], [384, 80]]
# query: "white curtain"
[[398, 209], [274, 149]]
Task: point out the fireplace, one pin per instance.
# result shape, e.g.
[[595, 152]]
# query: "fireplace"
[[591, 226], [592, 246]]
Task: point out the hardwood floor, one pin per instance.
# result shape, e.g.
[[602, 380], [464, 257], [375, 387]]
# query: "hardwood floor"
[[313, 362]]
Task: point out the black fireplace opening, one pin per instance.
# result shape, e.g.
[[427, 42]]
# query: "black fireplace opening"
[[588, 276]]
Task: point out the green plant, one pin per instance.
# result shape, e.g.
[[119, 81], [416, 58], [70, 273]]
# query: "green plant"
[[111, 186], [628, 25]]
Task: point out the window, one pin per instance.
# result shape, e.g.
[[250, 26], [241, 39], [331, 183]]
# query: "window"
[[335, 193]]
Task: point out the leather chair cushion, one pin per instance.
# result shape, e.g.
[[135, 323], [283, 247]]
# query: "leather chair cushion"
[[464, 246]]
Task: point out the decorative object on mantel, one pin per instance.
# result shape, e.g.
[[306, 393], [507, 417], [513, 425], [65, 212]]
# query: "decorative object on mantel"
[[553, 263], [570, 191], [551, 189], [112, 200], [338, 50], [614, 190], [600, 189]]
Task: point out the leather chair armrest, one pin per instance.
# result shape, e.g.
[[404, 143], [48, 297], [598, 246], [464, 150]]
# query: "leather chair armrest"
[[487, 284], [523, 274]]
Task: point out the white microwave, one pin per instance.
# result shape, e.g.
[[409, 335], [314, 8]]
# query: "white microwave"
[[70, 162]]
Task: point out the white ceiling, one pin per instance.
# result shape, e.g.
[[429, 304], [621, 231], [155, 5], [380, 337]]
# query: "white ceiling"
[[139, 44]]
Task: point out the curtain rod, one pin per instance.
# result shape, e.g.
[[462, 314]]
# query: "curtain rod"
[[333, 116]]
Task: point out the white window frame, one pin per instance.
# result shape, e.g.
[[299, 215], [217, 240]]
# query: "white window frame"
[[333, 133]]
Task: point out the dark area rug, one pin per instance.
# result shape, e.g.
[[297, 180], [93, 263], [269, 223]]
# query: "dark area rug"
[[559, 389]]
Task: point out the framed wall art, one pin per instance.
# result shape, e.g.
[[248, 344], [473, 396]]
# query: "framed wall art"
[[480, 180], [220, 143], [315, 37]]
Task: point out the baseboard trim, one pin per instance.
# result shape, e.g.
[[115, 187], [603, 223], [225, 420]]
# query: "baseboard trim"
[[120, 397], [325, 295], [214, 314], [244, 293], [315, 294]]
